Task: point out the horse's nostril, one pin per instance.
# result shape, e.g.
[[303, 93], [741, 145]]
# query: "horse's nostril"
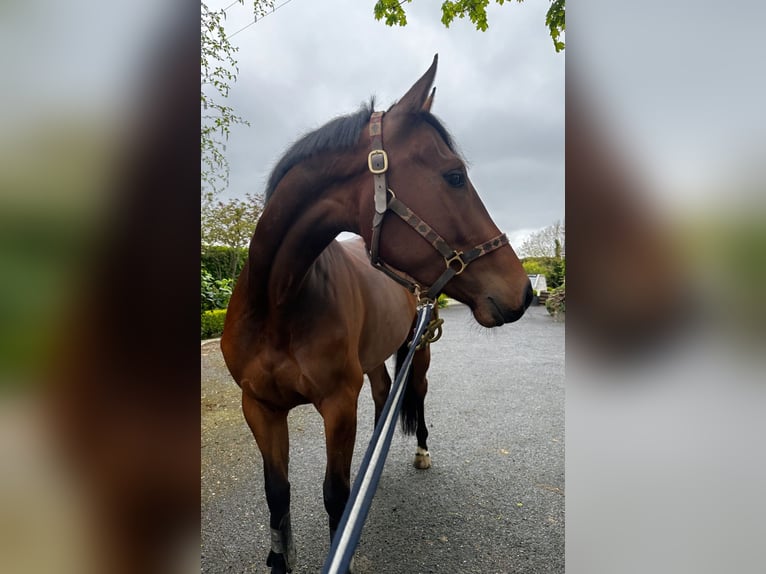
[[529, 296]]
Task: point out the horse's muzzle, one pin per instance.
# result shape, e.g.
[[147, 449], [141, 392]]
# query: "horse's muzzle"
[[497, 313], [528, 296]]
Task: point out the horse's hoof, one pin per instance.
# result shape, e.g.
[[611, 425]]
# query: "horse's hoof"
[[422, 459], [278, 563]]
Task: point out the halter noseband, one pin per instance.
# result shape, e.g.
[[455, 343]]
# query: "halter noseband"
[[385, 201]]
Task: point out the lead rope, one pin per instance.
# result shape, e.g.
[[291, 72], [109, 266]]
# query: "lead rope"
[[359, 501]]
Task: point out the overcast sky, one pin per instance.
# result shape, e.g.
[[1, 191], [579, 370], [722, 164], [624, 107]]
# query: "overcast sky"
[[501, 92]]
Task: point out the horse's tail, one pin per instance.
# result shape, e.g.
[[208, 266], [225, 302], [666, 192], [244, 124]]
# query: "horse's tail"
[[409, 412]]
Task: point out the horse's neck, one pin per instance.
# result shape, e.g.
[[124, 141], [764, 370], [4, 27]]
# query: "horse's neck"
[[297, 224]]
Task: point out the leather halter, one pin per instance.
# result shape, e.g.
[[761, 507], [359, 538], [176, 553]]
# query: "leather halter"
[[386, 201]]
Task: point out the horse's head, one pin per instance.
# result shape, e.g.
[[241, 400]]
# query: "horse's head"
[[428, 176]]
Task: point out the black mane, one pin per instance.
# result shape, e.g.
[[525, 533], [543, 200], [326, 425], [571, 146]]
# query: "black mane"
[[337, 134], [340, 133]]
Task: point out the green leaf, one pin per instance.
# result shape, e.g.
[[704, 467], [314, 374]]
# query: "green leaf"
[[393, 13]]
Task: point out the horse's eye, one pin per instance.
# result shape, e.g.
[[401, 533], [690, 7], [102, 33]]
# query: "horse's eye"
[[455, 178]]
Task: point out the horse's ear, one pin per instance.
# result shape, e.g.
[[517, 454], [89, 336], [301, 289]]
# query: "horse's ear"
[[415, 98], [429, 101]]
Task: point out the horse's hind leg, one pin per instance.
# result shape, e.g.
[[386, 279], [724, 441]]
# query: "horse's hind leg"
[[270, 430], [380, 384], [420, 362]]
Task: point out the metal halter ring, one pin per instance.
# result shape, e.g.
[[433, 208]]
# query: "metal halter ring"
[[458, 256]]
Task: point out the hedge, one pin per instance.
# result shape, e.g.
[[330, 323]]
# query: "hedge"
[[212, 323], [219, 260]]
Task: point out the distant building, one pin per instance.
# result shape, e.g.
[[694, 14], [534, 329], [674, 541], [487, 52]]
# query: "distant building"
[[539, 284]]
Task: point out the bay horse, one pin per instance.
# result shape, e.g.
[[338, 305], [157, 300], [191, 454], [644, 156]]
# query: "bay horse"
[[309, 315]]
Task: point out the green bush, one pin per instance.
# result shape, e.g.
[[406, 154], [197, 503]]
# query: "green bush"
[[223, 262], [441, 301], [215, 293], [558, 274], [212, 323], [556, 303], [534, 266]]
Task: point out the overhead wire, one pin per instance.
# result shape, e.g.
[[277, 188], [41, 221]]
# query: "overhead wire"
[[255, 20]]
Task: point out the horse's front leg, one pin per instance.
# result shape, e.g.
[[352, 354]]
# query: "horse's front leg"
[[339, 414], [269, 427]]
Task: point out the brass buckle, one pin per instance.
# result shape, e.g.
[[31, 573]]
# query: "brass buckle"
[[458, 256], [384, 169]]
